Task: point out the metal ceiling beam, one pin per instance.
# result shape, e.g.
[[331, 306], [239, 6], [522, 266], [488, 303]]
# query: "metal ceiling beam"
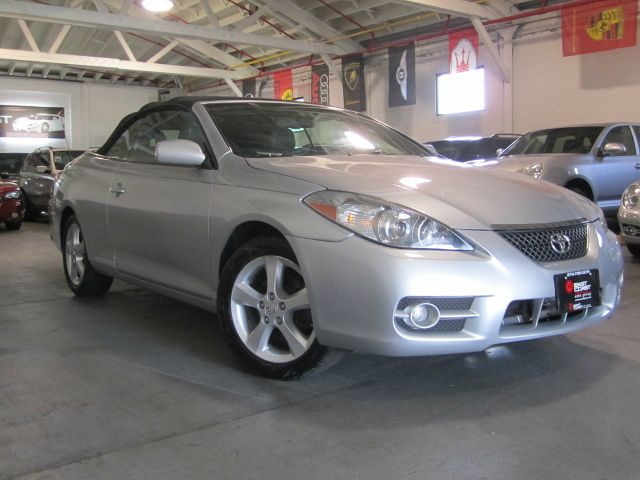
[[210, 13], [458, 8], [28, 36], [493, 51], [85, 18], [251, 19], [113, 64], [313, 23]]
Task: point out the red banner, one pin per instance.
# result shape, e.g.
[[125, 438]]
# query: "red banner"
[[599, 26], [283, 85], [463, 51]]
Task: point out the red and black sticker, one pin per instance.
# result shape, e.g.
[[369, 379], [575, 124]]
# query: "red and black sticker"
[[576, 291]]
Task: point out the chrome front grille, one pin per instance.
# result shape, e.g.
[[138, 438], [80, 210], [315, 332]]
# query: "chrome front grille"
[[535, 241]]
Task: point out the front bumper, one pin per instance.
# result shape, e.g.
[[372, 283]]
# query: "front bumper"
[[629, 221], [355, 288], [11, 210]]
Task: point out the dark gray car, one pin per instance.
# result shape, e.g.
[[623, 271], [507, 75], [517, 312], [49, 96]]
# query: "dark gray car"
[[597, 161], [37, 175]]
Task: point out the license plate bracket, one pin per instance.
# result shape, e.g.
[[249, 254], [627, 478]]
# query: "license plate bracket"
[[578, 290]]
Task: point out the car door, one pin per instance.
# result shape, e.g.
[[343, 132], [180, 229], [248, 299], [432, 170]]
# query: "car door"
[[615, 172], [158, 215]]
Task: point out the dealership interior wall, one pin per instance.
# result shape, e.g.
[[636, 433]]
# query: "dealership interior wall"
[[546, 90]]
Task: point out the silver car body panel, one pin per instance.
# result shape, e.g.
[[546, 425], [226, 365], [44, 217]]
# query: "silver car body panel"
[[165, 228], [606, 176]]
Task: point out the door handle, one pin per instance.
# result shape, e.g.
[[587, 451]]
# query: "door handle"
[[117, 189], [637, 166]]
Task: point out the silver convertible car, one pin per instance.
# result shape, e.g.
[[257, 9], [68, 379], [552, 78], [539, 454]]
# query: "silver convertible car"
[[313, 229]]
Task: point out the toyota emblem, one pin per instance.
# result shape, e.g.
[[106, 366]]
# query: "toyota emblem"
[[560, 243]]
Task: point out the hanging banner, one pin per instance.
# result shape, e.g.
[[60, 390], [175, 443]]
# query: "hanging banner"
[[353, 89], [463, 51], [599, 26], [264, 83], [283, 85], [402, 75], [320, 84], [249, 88]]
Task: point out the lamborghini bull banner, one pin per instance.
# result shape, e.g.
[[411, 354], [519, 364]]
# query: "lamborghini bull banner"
[[598, 26], [33, 122], [353, 90]]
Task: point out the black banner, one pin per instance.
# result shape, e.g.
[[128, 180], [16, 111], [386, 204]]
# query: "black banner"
[[320, 84], [31, 122], [402, 75], [249, 88], [353, 90]]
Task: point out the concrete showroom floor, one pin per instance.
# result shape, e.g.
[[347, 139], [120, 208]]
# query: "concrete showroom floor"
[[139, 386]]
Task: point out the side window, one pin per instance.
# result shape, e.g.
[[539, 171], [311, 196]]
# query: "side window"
[[30, 163], [621, 135], [138, 142]]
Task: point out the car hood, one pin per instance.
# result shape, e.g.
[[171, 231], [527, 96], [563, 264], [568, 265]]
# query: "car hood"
[[458, 195], [6, 187]]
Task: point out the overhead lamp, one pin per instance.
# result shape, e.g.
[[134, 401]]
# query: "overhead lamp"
[[157, 5]]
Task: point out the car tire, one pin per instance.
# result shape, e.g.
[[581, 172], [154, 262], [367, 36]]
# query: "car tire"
[[82, 279], [274, 337], [13, 225], [634, 250], [44, 128]]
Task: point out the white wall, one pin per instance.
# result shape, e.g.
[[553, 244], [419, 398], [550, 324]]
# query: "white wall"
[[91, 110], [546, 90]]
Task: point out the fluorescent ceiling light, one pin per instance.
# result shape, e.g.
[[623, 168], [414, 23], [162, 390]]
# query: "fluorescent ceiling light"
[[157, 5]]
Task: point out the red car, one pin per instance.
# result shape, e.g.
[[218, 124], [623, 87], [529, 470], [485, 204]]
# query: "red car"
[[11, 205]]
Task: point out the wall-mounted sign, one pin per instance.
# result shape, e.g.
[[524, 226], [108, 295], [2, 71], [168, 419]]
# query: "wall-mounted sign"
[[402, 75], [353, 89], [19, 121]]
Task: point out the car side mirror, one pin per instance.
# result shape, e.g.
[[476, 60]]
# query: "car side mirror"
[[499, 152], [4, 175], [179, 152], [42, 169], [613, 149]]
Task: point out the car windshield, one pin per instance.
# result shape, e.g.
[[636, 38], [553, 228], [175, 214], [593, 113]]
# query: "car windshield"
[[555, 140], [285, 130], [10, 163], [62, 157]]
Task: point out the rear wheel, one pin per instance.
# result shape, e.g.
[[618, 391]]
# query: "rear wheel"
[[82, 279], [14, 225], [263, 306], [634, 250]]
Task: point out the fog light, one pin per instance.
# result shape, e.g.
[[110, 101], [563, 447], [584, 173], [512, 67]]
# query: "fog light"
[[422, 316]]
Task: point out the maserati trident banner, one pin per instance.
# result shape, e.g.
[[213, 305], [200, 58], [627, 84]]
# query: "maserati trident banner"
[[33, 122], [402, 75], [249, 88], [599, 26], [353, 90], [320, 84], [463, 51]]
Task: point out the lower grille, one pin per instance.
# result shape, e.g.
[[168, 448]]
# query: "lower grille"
[[630, 230], [549, 243]]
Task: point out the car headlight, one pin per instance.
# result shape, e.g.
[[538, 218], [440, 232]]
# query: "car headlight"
[[15, 195], [536, 170], [631, 196], [384, 222]]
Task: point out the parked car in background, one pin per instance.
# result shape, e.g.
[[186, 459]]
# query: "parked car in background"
[[463, 149], [10, 164], [40, 122], [629, 218], [11, 205], [596, 161], [307, 227], [36, 177]]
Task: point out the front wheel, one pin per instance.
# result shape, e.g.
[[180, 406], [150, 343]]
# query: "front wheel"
[[13, 225], [263, 306], [82, 279]]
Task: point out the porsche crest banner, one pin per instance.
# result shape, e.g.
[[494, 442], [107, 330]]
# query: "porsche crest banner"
[[599, 26], [353, 90], [320, 84], [249, 88], [463, 51], [283, 85], [402, 75]]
